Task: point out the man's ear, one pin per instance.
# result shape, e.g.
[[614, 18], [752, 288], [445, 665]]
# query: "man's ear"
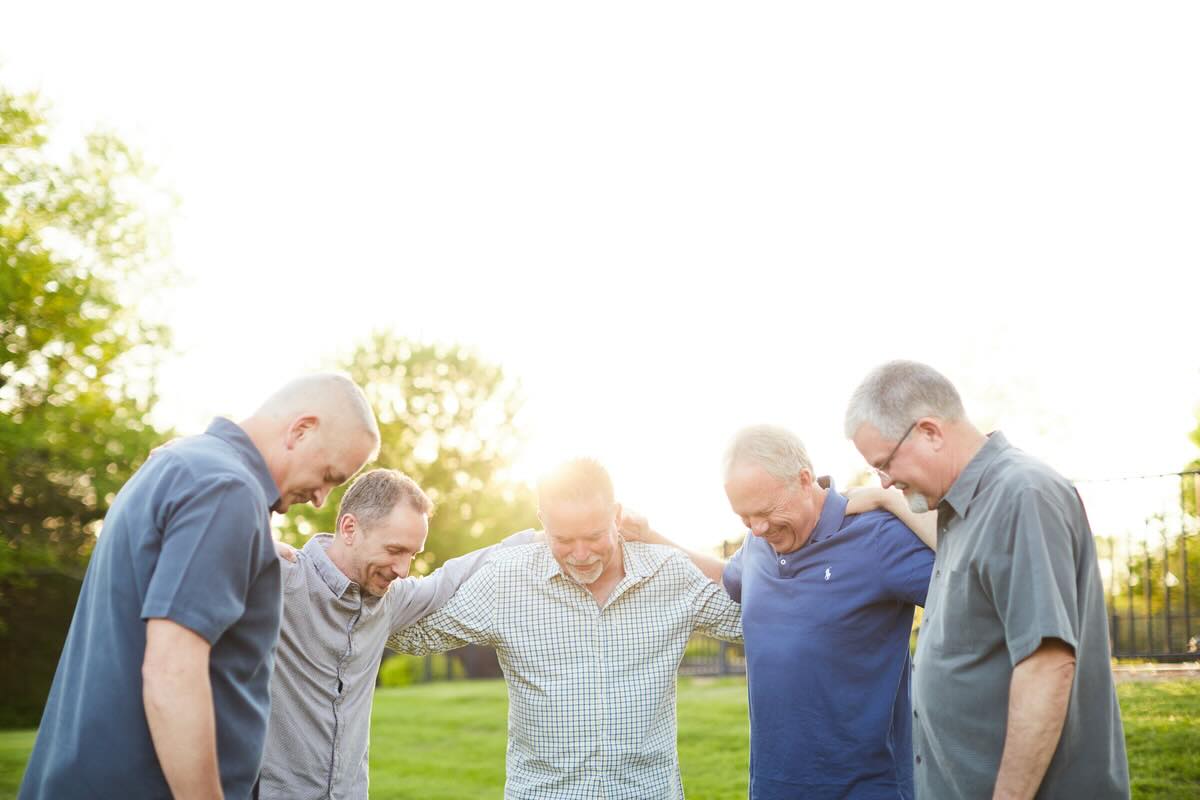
[[805, 479], [347, 528], [617, 515], [301, 427], [932, 430]]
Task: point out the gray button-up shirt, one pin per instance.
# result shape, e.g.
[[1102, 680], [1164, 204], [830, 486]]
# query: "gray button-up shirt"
[[330, 646], [1016, 564]]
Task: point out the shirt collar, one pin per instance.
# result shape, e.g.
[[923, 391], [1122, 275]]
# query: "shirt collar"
[[232, 433], [966, 485], [333, 577], [833, 512], [639, 562]]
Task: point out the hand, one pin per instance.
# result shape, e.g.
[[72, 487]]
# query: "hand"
[[634, 527], [869, 498], [285, 551]]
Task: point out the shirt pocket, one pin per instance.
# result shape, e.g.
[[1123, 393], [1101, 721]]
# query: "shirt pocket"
[[964, 620]]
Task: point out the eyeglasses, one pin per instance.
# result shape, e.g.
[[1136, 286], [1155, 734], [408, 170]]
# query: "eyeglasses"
[[881, 470]]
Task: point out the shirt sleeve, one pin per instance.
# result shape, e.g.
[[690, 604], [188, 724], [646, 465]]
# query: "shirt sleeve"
[[732, 576], [207, 558], [716, 614], [410, 599], [468, 618], [1033, 591], [904, 562]]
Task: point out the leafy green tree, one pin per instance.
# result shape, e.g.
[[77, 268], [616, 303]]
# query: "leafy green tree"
[[76, 249], [446, 417]]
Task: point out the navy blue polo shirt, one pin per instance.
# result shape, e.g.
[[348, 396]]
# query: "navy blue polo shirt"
[[826, 633], [187, 539]]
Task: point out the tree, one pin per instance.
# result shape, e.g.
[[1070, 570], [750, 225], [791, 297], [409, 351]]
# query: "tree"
[[76, 249], [446, 418]]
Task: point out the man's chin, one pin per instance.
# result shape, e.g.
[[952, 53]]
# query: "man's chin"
[[917, 503], [584, 578]]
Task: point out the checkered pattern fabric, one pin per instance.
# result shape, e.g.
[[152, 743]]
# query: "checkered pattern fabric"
[[591, 689]]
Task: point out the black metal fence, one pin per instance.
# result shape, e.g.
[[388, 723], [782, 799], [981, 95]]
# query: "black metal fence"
[[1146, 539]]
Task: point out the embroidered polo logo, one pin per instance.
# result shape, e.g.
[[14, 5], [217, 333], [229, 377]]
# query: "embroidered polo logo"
[[828, 573]]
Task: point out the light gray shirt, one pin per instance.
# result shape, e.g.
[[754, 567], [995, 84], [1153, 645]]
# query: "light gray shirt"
[[1016, 564], [330, 646]]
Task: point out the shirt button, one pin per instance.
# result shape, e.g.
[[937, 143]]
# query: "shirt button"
[[783, 561], [914, 713], [918, 759], [937, 573]]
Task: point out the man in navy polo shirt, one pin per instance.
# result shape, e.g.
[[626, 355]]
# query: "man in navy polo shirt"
[[162, 687], [827, 607]]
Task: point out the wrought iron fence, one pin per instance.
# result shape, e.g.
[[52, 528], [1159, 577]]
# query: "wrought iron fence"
[[1146, 539]]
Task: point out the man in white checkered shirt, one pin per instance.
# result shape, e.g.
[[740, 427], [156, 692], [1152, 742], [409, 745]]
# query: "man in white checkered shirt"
[[590, 631]]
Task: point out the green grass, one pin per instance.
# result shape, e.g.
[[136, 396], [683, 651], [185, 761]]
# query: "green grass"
[[445, 741]]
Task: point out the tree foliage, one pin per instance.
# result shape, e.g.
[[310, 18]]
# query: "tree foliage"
[[446, 417], [77, 251]]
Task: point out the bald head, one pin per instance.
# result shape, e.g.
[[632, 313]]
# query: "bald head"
[[314, 433]]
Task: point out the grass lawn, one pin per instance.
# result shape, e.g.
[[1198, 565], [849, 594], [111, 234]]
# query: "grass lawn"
[[445, 741]]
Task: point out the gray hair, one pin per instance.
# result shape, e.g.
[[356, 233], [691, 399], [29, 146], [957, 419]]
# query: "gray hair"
[[577, 480], [331, 392], [897, 394], [375, 494], [777, 450]]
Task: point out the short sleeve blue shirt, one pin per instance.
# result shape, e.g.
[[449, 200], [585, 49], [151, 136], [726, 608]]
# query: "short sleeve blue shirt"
[[826, 635], [187, 539]]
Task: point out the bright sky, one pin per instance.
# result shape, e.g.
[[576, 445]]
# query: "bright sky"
[[673, 219]]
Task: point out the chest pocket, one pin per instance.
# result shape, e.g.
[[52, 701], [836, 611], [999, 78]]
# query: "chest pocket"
[[963, 618]]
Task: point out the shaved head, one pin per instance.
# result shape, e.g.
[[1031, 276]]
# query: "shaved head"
[[328, 395]]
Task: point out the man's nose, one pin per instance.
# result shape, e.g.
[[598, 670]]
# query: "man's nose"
[[580, 551], [400, 569], [319, 497], [759, 528]]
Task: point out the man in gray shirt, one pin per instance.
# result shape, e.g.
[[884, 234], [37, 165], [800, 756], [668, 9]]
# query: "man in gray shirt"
[[341, 600], [1012, 685]]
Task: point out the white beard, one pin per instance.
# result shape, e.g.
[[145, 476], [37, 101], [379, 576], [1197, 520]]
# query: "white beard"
[[585, 574], [917, 503]]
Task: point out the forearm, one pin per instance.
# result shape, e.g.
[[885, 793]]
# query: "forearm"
[[177, 696], [422, 640], [1039, 692], [924, 526], [712, 567]]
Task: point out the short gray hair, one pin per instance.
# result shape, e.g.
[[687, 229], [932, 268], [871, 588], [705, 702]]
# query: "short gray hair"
[[777, 450], [897, 394], [375, 494], [577, 480]]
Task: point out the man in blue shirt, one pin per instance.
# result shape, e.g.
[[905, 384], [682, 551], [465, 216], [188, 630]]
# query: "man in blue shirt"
[[827, 606], [162, 686]]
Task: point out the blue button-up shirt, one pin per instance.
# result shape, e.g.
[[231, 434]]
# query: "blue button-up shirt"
[[187, 539], [826, 637]]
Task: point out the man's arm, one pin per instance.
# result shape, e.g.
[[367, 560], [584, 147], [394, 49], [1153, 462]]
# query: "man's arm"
[[467, 618], [179, 709], [1037, 707], [714, 611], [410, 599], [636, 528], [870, 498]]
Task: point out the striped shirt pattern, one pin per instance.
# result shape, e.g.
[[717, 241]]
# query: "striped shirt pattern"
[[591, 689]]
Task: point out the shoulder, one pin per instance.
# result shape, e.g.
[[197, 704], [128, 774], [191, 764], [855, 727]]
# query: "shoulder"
[[1015, 473]]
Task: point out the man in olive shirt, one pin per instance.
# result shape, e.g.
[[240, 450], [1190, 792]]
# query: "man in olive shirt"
[[1012, 686]]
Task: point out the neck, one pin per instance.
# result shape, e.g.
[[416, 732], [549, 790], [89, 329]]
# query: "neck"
[[263, 434], [964, 443], [340, 557], [603, 586]]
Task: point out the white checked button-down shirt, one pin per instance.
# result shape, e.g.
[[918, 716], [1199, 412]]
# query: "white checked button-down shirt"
[[330, 645], [591, 689]]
